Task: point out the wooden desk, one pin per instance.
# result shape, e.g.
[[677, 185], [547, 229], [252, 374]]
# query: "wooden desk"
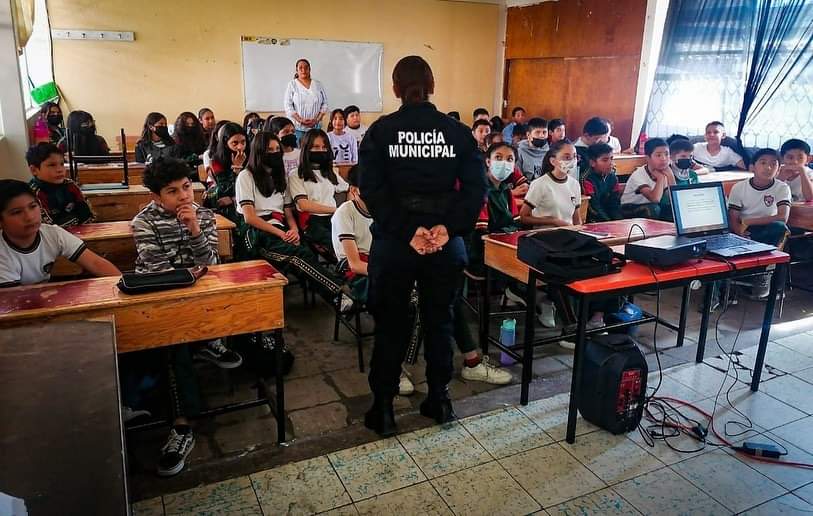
[[801, 215], [115, 204], [113, 173], [625, 164], [729, 179], [114, 241]]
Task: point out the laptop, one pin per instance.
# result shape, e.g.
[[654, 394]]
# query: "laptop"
[[701, 213]]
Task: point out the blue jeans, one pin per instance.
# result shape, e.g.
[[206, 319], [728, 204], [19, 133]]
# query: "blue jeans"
[[301, 134], [772, 233]]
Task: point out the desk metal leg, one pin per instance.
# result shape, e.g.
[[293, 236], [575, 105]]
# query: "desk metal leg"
[[485, 311], [704, 322], [528, 346], [578, 359], [776, 278], [684, 306], [279, 345]]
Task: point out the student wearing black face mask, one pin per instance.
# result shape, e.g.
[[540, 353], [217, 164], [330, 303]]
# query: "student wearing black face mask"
[[283, 129], [267, 227], [683, 164], [313, 188], [83, 138], [52, 114], [188, 135], [155, 141]]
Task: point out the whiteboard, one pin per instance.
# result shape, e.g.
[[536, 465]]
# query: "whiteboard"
[[349, 72]]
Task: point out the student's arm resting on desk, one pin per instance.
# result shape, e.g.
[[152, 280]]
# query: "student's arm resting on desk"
[[205, 244], [654, 194], [96, 265], [525, 217], [807, 184], [782, 214]]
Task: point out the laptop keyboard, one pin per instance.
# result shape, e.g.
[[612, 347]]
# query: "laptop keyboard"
[[723, 241]]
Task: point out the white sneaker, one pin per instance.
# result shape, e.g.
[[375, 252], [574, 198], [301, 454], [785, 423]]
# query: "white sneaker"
[[547, 317], [515, 298], [567, 344], [487, 372], [346, 304], [405, 387]]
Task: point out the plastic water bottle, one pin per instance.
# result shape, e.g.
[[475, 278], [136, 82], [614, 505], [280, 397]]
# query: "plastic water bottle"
[[508, 332]]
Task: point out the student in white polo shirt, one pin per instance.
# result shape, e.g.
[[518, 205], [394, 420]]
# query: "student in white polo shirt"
[[713, 153], [646, 191], [794, 170]]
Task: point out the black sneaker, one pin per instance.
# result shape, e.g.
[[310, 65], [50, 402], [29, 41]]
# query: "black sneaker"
[[215, 352], [175, 451]]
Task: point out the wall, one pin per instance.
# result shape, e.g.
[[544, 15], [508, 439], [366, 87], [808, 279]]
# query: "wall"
[[187, 52], [575, 59], [13, 127]]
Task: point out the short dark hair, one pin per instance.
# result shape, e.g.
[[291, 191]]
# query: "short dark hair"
[[554, 123], [41, 151], [596, 126], [354, 176], [597, 150], [794, 143], [537, 123], [680, 145], [11, 189], [652, 144], [497, 123], [517, 109], [351, 109], [478, 123], [675, 137], [479, 111], [163, 171], [454, 114], [499, 145], [715, 122], [764, 152], [520, 130]]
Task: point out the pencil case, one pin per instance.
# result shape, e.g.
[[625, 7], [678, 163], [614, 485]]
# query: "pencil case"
[[139, 283]]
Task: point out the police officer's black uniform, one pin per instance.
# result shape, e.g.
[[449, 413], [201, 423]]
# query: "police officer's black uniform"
[[419, 168]]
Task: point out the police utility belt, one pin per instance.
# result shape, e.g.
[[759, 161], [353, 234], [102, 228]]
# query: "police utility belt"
[[425, 204]]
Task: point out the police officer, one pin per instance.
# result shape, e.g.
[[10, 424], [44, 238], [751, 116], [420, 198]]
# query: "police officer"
[[423, 180]]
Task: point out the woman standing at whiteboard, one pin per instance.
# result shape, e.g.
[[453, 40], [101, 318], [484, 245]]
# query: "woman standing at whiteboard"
[[305, 100]]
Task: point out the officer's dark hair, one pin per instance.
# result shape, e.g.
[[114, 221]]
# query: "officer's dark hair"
[[553, 123], [11, 189], [517, 110], [497, 123], [792, 144], [598, 150], [454, 114], [596, 126], [333, 114], [223, 153], [499, 145], [680, 145], [163, 171], [275, 124], [41, 151], [354, 176], [654, 143], [305, 170], [675, 137], [301, 60], [479, 111], [413, 80], [537, 123], [267, 180], [547, 166], [764, 152], [520, 130], [478, 123]]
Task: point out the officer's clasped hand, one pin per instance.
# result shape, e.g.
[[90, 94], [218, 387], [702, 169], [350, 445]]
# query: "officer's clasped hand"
[[428, 241]]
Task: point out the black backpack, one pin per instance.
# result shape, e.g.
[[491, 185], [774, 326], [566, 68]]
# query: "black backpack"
[[564, 255]]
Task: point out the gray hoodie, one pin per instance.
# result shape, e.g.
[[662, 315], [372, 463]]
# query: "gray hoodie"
[[530, 159]]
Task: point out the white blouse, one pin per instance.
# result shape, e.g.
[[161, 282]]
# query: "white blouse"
[[307, 102]]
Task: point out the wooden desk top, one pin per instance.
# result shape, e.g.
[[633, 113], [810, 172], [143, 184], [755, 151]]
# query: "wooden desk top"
[[110, 166], [48, 299], [730, 175], [131, 190], [123, 229], [618, 231], [625, 164]]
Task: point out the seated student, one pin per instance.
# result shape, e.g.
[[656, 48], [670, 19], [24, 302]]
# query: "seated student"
[[595, 130], [794, 170], [61, 199], [531, 152], [227, 161], [352, 116], [645, 194], [173, 232], [518, 135], [497, 125], [52, 114], [345, 145], [267, 227], [207, 122], [284, 129], [155, 141], [758, 208], [211, 147], [28, 248], [83, 138], [602, 185], [713, 153], [188, 136], [556, 130], [684, 167], [612, 141], [481, 129], [314, 186], [493, 137], [480, 114], [252, 124], [517, 118]]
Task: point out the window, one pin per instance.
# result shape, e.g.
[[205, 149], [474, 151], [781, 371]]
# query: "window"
[[36, 61]]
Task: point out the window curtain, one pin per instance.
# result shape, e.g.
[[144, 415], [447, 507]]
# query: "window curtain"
[[23, 15]]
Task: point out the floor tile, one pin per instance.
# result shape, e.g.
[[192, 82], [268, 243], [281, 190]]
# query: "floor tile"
[[788, 504], [347, 510], [506, 432], [604, 502], [231, 497], [550, 414], [672, 388], [664, 492], [764, 411], [801, 343], [702, 378], [790, 390], [731, 482], [442, 449], [806, 375], [667, 455], [418, 499], [805, 493], [486, 489], [305, 487], [613, 458], [786, 476], [151, 507], [375, 468], [797, 433], [779, 357], [551, 475]]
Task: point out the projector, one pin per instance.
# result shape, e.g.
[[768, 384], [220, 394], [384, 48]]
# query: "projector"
[[664, 251]]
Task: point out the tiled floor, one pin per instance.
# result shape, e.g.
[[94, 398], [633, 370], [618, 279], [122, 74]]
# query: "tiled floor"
[[514, 461]]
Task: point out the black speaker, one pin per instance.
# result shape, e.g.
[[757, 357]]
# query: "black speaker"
[[613, 384]]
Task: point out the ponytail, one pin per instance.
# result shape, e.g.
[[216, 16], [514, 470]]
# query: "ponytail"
[[413, 80]]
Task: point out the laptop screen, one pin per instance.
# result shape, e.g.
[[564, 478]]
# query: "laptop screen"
[[699, 209]]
